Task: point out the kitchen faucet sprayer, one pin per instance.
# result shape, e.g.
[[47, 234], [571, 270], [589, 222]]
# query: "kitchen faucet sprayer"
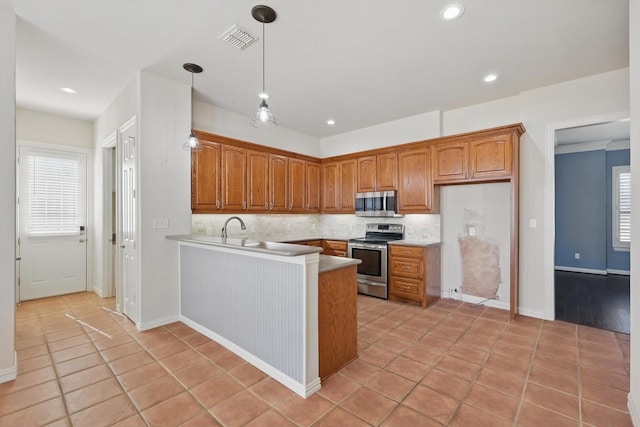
[[224, 227]]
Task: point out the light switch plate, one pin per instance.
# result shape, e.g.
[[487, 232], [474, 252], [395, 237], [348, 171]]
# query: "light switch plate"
[[533, 223], [160, 222]]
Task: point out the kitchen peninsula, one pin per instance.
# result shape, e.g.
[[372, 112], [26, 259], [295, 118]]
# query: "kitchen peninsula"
[[276, 305]]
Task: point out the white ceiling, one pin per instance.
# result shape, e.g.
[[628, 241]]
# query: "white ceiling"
[[618, 130], [360, 62]]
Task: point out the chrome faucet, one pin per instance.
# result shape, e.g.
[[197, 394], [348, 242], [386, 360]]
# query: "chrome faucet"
[[224, 227]]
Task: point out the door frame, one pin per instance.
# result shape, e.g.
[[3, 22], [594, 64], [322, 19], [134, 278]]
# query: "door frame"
[[90, 234], [550, 200], [108, 259]]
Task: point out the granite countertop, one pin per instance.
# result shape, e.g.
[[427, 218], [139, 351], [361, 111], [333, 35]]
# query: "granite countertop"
[[329, 263], [274, 248], [421, 243]]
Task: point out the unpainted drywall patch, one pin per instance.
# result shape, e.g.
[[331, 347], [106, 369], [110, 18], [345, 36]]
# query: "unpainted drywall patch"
[[480, 258]]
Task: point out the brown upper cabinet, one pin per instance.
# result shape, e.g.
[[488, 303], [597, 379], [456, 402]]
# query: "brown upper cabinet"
[[339, 186], [234, 178], [304, 186], [485, 159], [267, 179], [415, 190], [378, 173], [205, 178]]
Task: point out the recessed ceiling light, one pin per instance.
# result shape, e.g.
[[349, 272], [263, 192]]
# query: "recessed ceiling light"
[[68, 90], [451, 12], [331, 122], [490, 78]]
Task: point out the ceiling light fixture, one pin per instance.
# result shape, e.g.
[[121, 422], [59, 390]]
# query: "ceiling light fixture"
[[490, 78], [68, 90], [331, 122], [192, 143], [263, 118], [451, 12]]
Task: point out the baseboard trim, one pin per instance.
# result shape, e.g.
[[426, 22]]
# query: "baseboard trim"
[[9, 374], [98, 291], [299, 388], [581, 270], [634, 409], [620, 272], [145, 326], [531, 313]]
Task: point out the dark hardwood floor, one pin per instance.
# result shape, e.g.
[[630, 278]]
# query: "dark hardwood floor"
[[593, 300]]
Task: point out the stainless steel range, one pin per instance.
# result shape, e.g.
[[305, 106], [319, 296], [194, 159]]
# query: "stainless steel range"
[[372, 250]]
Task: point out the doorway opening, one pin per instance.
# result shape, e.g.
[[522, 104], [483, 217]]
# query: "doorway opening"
[[591, 263]]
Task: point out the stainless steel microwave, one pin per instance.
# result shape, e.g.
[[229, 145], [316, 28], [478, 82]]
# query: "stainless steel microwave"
[[377, 204]]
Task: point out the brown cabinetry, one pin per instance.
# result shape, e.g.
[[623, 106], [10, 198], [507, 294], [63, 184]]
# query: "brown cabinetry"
[[312, 187], [335, 248], [378, 173], [233, 178], [485, 159], [415, 190], [278, 183], [257, 180], [339, 186], [491, 157], [205, 178], [414, 274]]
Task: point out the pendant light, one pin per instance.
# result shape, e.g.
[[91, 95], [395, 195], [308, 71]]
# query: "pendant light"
[[263, 118], [192, 143]]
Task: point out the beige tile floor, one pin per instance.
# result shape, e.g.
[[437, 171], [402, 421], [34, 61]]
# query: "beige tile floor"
[[451, 364]]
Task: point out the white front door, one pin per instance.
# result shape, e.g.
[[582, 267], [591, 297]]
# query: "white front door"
[[52, 222], [128, 243]]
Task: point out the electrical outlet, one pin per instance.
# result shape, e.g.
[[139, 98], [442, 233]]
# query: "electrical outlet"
[[576, 255], [160, 222], [209, 231], [410, 230], [472, 231]]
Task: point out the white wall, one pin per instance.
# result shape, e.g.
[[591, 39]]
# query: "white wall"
[[7, 191], [164, 179], [415, 128], [634, 61], [227, 123], [44, 127], [123, 107], [487, 207]]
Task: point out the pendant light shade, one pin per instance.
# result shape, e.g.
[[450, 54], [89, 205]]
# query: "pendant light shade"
[[192, 143], [263, 118]]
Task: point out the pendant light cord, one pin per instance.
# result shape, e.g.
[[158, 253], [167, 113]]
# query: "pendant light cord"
[[191, 102], [263, 59]]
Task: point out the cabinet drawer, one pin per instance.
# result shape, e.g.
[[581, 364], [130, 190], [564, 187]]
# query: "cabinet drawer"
[[335, 252], [407, 267], [406, 251], [339, 245], [407, 288]]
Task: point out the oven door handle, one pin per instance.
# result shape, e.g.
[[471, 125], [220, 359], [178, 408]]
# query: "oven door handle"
[[366, 246]]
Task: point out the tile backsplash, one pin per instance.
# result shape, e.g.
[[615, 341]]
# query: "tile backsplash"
[[283, 227]]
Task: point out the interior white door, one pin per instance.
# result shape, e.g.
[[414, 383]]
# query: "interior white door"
[[52, 206], [128, 242]]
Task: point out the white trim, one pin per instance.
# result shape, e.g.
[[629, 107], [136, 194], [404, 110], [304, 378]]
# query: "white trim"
[[10, 374], [620, 272], [580, 270], [98, 291], [299, 388], [616, 171], [145, 326], [108, 260], [549, 201], [532, 313], [619, 145], [584, 146], [634, 409], [494, 303]]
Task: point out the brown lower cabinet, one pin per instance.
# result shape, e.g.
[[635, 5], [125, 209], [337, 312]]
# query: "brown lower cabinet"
[[414, 274], [335, 247], [337, 319]]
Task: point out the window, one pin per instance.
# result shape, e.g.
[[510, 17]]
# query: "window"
[[53, 195], [621, 204]]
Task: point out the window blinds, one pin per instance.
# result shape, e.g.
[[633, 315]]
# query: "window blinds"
[[624, 207], [53, 195]]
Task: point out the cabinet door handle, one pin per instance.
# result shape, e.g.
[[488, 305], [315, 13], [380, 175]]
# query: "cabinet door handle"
[[217, 204], [266, 206], [290, 206], [406, 267], [244, 205], [271, 206]]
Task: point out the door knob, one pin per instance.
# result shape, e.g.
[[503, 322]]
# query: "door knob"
[[18, 258], [122, 246], [81, 240]]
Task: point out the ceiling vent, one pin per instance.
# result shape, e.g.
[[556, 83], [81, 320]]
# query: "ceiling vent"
[[237, 37]]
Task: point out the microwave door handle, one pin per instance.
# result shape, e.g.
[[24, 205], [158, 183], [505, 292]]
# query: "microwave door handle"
[[384, 202]]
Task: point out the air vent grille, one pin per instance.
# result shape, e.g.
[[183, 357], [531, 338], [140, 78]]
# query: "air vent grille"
[[237, 37]]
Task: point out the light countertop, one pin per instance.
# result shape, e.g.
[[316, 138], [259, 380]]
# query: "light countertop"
[[420, 243], [329, 263], [274, 248]]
